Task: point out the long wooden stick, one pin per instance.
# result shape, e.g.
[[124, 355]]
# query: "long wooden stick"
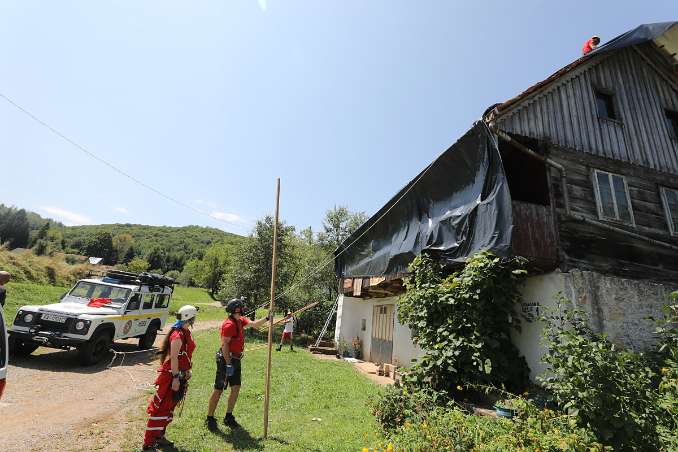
[[305, 308], [274, 267]]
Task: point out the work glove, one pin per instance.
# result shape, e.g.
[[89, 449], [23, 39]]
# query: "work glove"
[[230, 370]]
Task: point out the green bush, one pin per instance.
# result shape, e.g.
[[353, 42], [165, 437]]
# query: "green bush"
[[396, 404], [611, 390], [463, 322], [453, 429], [668, 386]]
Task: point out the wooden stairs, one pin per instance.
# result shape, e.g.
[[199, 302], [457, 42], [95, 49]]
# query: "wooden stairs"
[[324, 348]]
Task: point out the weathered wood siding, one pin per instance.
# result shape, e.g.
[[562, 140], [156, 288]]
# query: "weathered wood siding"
[[587, 246], [564, 113], [534, 234]]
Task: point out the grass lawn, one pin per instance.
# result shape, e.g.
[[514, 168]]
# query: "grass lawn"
[[197, 297], [20, 294], [302, 388]]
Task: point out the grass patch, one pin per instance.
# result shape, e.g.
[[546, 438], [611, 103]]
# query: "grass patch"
[[302, 388], [20, 294], [197, 297]]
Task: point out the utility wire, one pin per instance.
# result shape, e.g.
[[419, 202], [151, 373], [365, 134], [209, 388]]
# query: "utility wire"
[[109, 164], [313, 272]]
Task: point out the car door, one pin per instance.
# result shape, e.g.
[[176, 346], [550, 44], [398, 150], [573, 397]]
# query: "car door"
[[145, 313], [4, 352], [129, 325]]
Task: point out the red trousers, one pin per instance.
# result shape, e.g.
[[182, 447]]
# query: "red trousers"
[[161, 408]]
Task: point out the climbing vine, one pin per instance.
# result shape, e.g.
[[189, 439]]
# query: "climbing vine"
[[463, 322]]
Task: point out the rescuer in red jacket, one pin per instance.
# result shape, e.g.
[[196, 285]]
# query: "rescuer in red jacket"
[[174, 373], [591, 44]]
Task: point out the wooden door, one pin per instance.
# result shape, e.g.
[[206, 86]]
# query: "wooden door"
[[382, 334]]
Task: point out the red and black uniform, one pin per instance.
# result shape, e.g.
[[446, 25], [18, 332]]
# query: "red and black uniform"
[[161, 406], [235, 329], [589, 46]]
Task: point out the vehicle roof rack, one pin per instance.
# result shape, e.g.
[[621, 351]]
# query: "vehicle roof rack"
[[144, 278]]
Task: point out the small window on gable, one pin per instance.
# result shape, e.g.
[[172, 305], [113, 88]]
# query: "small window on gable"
[[672, 123], [612, 197], [670, 201], [605, 105]]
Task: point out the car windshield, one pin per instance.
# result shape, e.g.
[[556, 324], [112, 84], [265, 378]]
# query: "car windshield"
[[89, 290]]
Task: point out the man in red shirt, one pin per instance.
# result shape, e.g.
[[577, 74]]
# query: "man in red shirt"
[[228, 361], [591, 44]]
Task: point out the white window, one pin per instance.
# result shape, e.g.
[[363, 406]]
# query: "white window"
[[612, 197], [670, 200]]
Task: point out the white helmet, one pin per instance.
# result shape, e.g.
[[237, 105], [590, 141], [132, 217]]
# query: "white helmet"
[[187, 312]]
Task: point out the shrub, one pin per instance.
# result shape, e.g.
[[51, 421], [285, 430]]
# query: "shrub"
[[174, 274], [453, 429], [463, 322], [668, 386], [614, 391], [397, 404]]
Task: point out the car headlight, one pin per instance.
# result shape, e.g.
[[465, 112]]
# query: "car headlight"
[[80, 325], [28, 318]]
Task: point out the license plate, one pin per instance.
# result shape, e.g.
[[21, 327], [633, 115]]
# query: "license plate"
[[54, 318]]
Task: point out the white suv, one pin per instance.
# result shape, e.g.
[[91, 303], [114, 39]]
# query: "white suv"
[[94, 313]]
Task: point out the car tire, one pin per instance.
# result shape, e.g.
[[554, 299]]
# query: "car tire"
[[21, 347], [96, 349], [148, 339]]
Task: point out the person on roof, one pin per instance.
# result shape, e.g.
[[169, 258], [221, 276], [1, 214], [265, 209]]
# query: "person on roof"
[[591, 44], [175, 371]]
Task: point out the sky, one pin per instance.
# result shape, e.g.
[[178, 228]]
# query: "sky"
[[208, 102]]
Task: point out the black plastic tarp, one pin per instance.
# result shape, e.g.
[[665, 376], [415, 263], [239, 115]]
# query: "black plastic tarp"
[[459, 205], [640, 34]]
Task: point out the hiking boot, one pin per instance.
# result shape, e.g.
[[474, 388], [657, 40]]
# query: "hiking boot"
[[291, 348], [211, 424], [151, 447], [278, 348], [229, 421], [164, 442]]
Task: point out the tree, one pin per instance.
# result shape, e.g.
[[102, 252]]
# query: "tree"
[[338, 225], [122, 243], [15, 229], [157, 258], [100, 245], [137, 265], [251, 273], [215, 264]]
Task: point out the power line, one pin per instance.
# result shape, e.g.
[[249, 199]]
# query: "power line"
[[313, 272], [109, 164]]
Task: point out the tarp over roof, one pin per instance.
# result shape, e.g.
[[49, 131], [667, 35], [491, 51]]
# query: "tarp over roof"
[[459, 205]]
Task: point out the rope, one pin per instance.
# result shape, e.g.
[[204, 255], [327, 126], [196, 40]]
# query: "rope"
[[135, 382]]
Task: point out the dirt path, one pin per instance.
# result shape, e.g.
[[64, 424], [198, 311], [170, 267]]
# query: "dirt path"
[[51, 402]]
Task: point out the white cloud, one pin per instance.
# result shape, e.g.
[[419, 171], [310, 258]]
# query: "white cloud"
[[263, 5], [66, 216], [121, 210], [228, 217]]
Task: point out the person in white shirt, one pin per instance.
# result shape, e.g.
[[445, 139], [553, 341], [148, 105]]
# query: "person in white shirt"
[[287, 332]]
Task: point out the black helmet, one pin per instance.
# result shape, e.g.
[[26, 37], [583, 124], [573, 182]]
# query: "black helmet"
[[234, 304]]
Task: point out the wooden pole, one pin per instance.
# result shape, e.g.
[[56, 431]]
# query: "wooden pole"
[[305, 308], [274, 267]]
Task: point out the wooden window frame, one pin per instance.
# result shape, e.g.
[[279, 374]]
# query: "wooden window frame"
[[615, 105], [671, 115], [667, 211], [599, 204]]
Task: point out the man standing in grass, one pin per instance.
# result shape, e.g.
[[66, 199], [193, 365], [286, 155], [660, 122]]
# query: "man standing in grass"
[[4, 279], [287, 332], [228, 361]]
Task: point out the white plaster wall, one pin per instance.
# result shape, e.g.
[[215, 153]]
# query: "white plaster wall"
[[350, 313], [404, 350], [540, 291]]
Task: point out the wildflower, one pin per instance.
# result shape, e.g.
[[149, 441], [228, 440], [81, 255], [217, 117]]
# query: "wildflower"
[[389, 448], [664, 370], [459, 388], [365, 449]]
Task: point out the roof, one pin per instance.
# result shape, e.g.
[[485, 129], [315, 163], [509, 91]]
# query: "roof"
[[663, 34]]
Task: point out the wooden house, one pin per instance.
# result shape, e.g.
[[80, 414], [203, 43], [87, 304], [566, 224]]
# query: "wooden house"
[[590, 155]]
